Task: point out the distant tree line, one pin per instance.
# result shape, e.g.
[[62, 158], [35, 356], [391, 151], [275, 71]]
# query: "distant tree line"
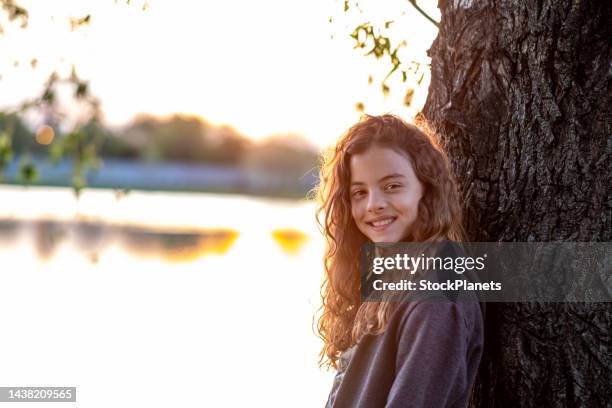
[[178, 138]]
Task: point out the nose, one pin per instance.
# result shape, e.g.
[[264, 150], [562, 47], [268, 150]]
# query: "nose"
[[376, 202]]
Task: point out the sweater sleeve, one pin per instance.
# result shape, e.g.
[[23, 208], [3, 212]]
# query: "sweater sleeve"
[[431, 366]]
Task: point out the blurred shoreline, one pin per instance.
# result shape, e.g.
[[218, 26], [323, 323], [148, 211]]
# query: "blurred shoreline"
[[128, 175], [177, 226]]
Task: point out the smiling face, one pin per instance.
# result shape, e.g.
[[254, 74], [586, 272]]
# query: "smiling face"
[[385, 193]]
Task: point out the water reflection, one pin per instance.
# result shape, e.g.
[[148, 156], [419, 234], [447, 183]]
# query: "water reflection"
[[195, 298], [47, 235], [290, 240], [90, 238], [172, 244], [177, 246], [9, 230]]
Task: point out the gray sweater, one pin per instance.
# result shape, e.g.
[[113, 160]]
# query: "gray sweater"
[[427, 357]]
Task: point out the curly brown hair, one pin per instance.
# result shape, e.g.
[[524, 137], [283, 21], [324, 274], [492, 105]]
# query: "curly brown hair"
[[345, 318]]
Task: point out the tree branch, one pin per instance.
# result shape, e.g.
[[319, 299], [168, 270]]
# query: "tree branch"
[[423, 13]]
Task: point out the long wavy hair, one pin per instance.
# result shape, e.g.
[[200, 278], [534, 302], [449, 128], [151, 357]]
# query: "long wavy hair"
[[344, 318]]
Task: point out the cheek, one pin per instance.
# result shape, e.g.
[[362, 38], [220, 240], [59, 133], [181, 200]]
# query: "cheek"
[[415, 206], [411, 205], [356, 212], [415, 209]]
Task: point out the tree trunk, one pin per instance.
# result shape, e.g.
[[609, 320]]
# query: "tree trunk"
[[521, 95]]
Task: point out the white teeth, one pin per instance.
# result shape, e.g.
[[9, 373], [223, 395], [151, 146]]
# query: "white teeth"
[[381, 223]]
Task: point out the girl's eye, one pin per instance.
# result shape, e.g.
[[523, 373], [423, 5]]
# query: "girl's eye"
[[358, 193], [392, 186]]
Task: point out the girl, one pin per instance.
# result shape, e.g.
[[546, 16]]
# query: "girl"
[[388, 181]]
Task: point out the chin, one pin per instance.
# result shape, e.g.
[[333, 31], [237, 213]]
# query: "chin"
[[385, 239]]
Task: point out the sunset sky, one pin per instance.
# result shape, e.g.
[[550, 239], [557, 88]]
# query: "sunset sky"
[[264, 67]]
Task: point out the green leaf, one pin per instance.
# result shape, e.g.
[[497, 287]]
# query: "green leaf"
[[78, 183], [27, 172], [6, 150], [421, 78], [81, 90], [385, 89], [49, 96], [408, 97]]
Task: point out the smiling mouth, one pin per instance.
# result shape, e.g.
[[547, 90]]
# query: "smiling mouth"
[[381, 224]]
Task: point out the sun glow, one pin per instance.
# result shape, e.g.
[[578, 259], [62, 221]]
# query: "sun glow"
[[264, 67]]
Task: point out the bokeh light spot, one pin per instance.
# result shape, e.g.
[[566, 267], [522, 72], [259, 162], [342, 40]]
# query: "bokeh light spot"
[[45, 135]]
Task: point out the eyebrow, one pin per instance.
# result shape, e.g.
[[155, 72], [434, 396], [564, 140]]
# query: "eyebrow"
[[385, 178]]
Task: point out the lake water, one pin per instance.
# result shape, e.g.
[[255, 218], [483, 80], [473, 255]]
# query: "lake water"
[[160, 299]]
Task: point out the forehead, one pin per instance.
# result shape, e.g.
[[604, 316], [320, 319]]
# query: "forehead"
[[377, 162]]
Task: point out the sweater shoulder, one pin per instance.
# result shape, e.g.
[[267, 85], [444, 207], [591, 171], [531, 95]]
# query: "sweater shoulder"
[[444, 314]]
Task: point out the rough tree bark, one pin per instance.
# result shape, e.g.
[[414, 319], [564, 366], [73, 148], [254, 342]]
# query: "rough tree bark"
[[521, 95]]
